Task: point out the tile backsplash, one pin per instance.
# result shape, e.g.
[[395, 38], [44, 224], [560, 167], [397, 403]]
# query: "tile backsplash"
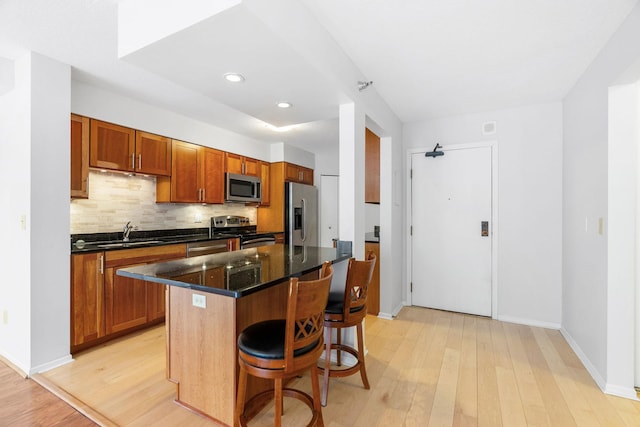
[[114, 199]]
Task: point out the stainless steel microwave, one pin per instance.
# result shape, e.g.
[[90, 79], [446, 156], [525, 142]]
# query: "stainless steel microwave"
[[243, 188]]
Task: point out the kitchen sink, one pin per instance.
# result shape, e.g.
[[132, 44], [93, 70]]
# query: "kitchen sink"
[[129, 244]]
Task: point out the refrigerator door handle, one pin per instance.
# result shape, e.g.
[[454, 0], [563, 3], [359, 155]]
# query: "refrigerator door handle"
[[303, 229]]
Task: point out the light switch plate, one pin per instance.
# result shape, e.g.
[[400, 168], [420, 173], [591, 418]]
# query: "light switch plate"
[[199, 300]]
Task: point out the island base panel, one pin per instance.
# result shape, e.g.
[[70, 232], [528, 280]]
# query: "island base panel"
[[201, 344]]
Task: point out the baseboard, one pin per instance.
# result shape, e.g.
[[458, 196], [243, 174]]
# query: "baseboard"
[[50, 365], [584, 359], [13, 366], [386, 316], [529, 322], [626, 392]]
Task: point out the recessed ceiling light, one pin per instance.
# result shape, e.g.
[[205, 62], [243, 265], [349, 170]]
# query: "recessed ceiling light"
[[284, 104], [234, 77]]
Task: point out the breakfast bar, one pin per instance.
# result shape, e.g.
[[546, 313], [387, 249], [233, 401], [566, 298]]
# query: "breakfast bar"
[[210, 300]]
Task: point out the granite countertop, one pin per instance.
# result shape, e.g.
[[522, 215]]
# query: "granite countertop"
[[98, 242], [238, 273]]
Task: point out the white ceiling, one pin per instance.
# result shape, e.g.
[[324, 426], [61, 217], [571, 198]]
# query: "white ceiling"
[[427, 58]]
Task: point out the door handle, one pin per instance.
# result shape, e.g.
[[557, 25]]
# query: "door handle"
[[484, 228]]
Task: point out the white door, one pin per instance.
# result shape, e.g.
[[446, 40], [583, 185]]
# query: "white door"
[[328, 210], [452, 228]]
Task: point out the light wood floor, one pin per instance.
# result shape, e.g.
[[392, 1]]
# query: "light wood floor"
[[426, 368]]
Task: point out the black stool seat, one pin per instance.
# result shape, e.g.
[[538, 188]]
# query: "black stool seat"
[[335, 305], [266, 340]]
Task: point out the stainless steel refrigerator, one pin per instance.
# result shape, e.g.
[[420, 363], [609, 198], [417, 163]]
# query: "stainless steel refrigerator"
[[301, 214]]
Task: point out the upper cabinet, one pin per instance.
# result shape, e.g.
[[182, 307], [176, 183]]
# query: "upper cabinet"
[[153, 154], [79, 156], [295, 173], [197, 175], [124, 149], [235, 163], [372, 168]]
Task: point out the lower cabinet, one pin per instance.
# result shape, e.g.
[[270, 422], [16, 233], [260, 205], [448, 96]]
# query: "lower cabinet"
[[87, 298], [105, 305], [373, 294]]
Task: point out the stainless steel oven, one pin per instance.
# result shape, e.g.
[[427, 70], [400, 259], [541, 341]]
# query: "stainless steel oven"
[[241, 227]]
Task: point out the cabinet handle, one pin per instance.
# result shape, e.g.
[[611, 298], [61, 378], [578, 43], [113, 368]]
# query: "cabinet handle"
[[204, 194], [243, 168], [299, 175], [139, 161], [101, 264], [133, 160]]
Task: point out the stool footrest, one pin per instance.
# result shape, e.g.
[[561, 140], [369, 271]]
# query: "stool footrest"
[[288, 392], [337, 373]]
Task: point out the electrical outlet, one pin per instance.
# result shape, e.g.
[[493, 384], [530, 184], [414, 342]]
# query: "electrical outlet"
[[198, 218], [601, 226], [5, 317], [23, 222], [199, 300]]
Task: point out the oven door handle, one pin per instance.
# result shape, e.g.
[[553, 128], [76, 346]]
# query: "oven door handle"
[[258, 242]]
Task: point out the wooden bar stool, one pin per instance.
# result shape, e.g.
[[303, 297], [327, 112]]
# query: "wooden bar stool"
[[343, 311], [283, 348]]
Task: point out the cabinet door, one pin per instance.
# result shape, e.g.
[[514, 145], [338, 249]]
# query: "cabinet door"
[[185, 172], [111, 146], [87, 298], [373, 292], [252, 167], [291, 172], [372, 168], [233, 163], [213, 175], [126, 302], [153, 154], [265, 178], [79, 156], [306, 175]]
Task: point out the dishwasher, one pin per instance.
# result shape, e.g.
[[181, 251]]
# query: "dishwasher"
[[207, 247]]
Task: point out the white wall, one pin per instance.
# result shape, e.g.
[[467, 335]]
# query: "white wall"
[[15, 291], [35, 261], [49, 212], [529, 201], [93, 102], [586, 307]]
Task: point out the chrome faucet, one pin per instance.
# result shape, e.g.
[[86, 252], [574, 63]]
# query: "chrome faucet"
[[127, 230]]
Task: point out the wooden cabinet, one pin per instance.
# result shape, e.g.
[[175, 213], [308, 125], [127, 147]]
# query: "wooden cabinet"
[[120, 148], [87, 299], [265, 176], [373, 292], [79, 157], [372, 168], [105, 305], [271, 217], [127, 302], [197, 175], [296, 173], [235, 163], [153, 154]]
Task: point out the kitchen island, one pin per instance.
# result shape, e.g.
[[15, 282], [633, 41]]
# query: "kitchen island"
[[210, 300]]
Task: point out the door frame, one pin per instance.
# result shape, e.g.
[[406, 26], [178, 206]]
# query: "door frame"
[[494, 215]]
